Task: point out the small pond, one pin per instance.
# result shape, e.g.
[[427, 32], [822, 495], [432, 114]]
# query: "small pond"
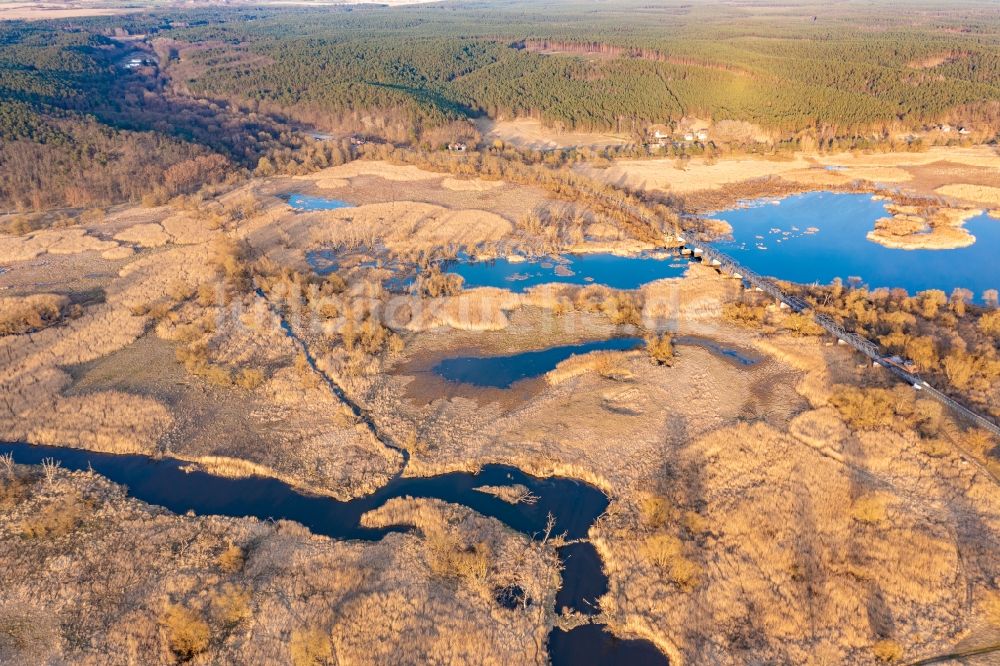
[[610, 270], [504, 371], [819, 236], [308, 202], [574, 504]]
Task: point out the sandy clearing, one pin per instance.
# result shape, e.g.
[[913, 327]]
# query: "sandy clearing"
[[533, 135], [146, 235], [28, 11], [464, 185], [816, 170], [54, 241]]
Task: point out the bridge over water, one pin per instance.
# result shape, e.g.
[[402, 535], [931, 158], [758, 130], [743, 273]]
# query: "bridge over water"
[[724, 263]]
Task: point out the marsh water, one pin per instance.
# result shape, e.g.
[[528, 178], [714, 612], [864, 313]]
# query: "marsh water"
[[610, 270], [575, 506], [307, 202], [819, 236], [506, 370]]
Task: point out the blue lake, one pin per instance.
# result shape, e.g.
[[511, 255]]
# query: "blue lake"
[[307, 202], [819, 236], [504, 371], [610, 270]]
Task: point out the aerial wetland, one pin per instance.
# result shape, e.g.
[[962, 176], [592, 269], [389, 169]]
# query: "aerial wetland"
[[500, 332]]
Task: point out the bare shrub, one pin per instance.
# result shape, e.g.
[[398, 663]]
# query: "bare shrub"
[[448, 557], [232, 258], [58, 518], [660, 349], [960, 367], [864, 408], [230, 605], [310, 647], [695, 523], [187, 633], [7, 463], [745, 314], [31, 313], [13, 489], [989, 324], [231, 559], [49, 467], [250, 378], [666, 552], [802, 324], [622, 308], [887, 650], [661, 549], [433, 283], [654, 510], [243, 208]]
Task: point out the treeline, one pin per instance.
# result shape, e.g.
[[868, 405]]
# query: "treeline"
[[78, 129], [954, 342]]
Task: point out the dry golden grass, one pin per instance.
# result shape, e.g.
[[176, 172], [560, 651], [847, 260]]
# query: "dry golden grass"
[[533, 135], [805, 169], [513, 494], [24, 11], [941, 230], [449, 557], [609, 364], [870, 509], [14, 486], [980, 194], [990, 606]]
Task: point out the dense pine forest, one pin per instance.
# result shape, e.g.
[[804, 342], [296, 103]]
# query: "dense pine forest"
[[220, 88], [615, 67]]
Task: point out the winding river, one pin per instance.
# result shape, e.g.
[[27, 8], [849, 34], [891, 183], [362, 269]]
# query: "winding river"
[[574, 504]]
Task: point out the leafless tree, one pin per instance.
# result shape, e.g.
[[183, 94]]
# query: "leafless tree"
[[49, 467]]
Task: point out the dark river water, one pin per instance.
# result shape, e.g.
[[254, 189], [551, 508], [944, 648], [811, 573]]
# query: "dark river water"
[[574, 504]]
